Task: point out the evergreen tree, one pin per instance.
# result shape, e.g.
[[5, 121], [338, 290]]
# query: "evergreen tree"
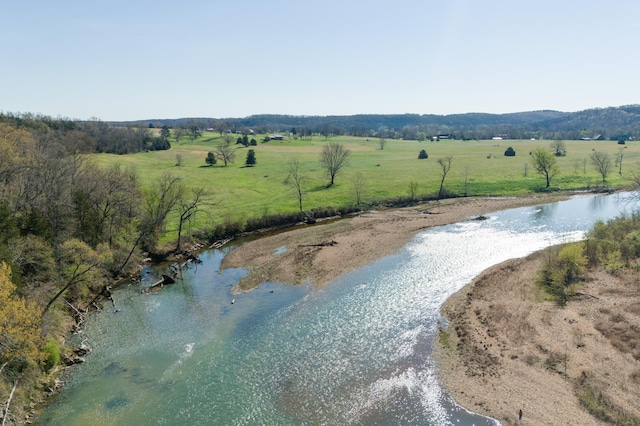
[[165, 133], [251, 158], [211, 158]]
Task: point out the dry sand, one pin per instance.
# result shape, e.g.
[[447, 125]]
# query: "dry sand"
[[507, 349], [320, 253]]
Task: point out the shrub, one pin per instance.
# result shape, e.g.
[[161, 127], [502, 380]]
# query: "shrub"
[[562, 271], [510, 152], [51, 351], [615, 244], [423, 154], [211, 158]]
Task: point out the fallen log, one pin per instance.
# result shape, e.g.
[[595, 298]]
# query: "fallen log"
[[321, 244], [218, 244], [165, 279]]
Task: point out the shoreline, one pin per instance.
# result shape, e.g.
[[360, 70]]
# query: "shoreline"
[[493, 389], [318, 254], [509, 354], [505, 353]]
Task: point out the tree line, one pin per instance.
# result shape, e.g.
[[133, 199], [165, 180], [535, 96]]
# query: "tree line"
[[83, 137]]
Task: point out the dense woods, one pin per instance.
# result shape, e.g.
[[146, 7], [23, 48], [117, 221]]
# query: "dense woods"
[[68, 230]]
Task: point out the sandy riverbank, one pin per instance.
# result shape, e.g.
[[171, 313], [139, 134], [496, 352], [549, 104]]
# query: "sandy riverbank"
[[506, 349], [320, 253]]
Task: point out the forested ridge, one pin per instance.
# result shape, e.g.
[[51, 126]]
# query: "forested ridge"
[[609, 123]]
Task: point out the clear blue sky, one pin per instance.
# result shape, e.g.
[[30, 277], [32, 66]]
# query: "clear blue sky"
[[127, 60]]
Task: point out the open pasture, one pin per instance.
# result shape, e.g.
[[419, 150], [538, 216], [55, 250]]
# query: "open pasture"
[[478, 168]]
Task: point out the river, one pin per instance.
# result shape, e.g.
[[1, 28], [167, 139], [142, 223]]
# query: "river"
[[355, 352]]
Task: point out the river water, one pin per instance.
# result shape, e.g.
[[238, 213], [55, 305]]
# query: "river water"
[[355, 352]]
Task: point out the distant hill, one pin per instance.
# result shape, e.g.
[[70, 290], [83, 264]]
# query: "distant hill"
[[610, 123]]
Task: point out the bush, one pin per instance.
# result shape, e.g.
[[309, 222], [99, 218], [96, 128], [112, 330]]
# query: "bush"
[[52, 354], [423, 154], [211, 158], [562, 271], [615, 244], [510, 152]]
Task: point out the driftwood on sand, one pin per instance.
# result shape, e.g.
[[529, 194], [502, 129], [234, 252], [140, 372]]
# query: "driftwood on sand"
[[321, 244]]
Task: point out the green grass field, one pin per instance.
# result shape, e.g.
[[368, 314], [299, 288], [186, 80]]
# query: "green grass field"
[[243, 192]]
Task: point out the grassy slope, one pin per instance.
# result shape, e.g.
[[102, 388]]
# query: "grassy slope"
[[245, 192]]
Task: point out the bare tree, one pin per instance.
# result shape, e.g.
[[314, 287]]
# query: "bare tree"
[[160, 201], [179, 133], [545, 163], [227, 138], [445, 165], [188, 209], [559, 147], [619, 160], [467, 170], [221, 127], [178, 160], [334, 157], [226, 152], [602, 163], [295, 179], [358, 183], [413, 190], [382, 142], [105, 202]]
